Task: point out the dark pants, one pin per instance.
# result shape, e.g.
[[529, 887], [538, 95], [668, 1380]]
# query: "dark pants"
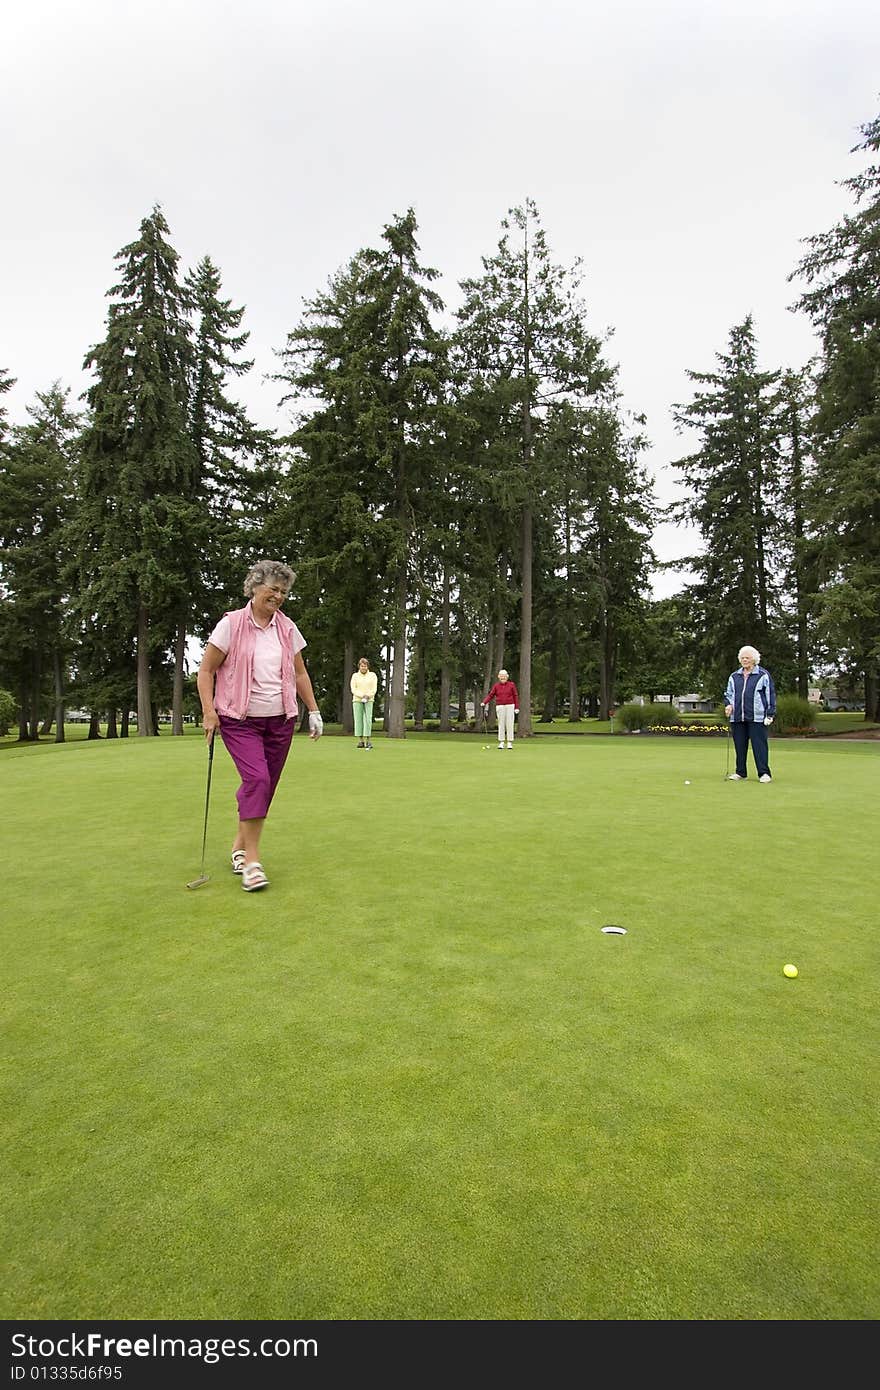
[[259, 749], [756, 734]]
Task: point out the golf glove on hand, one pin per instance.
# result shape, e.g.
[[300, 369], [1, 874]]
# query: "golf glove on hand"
[[516, 711], [768, 719], [316, 724]]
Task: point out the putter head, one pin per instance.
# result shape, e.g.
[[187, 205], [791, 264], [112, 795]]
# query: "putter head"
[[197, 882]]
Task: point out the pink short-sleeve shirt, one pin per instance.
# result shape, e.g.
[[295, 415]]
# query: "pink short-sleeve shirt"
[[265, 697]]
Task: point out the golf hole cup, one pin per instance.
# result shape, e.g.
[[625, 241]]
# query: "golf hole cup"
[[790, 971]]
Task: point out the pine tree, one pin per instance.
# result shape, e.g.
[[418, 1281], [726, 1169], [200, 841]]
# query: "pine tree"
[[602, 515], [232, 458], [329, 504], [732, 480], [36, 491], [369, 354], [796, 396], [842, 267], [136, 517], [522, 332]]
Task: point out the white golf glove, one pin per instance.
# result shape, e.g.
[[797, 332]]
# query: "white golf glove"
[[768, 718], [516, 711], [316, 724]]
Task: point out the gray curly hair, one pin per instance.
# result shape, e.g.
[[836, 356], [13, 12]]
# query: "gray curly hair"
[[264, 571]]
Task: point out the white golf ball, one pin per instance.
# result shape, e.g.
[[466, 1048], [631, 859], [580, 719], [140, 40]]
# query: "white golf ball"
[[686, 782]]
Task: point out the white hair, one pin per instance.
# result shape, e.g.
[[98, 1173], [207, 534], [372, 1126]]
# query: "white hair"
[[263, 571], [749, 651], [502, 674]]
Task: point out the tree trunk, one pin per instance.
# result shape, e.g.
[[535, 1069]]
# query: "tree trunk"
[[386, 703], [112, 731], [574, 698], [36, 682], [123, 732], [177, 688], [445, 718], [525, 640], [144, 706], [800, 585], [58, 679], [489, 668], [24, 733], [872, 696], [396, 718], [346, 708], [500, 621], [419, 654], [549, 712], [524, 685], [94, 726]]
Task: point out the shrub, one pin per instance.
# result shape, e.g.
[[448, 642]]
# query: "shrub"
[[8, 711], [794, 715], [633, 717]]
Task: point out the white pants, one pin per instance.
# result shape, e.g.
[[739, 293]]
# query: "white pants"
[[504, 715]]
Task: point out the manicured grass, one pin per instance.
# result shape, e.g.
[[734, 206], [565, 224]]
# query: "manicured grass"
[[413, 1079]]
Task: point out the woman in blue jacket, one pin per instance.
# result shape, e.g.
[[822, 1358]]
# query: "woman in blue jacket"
[[750, 705]]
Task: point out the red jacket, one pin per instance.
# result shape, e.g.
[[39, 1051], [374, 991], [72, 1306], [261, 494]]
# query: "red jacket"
[[503, 693]]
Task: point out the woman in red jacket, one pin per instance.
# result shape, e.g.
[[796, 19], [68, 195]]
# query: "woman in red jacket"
[[506, 699]]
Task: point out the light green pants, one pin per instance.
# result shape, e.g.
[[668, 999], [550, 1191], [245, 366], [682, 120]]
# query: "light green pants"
[[363, 718]]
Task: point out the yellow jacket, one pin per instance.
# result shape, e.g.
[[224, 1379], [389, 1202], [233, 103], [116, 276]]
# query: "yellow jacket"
[[363, 687]]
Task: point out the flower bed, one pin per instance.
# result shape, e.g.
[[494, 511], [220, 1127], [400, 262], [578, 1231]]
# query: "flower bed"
[[687, 730]]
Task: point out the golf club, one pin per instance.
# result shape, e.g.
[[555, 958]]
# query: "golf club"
[[203, 877], [727, 763]]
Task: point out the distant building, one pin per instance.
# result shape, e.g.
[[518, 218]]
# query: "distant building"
[[685, 704], [832, 699], [693, 704]]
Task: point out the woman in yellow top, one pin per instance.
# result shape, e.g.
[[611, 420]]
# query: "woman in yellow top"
[[363, 692]]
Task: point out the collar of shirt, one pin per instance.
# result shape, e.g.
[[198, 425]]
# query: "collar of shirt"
[[252, 619]]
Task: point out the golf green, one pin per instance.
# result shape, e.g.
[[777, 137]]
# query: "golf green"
[[413, 1079]]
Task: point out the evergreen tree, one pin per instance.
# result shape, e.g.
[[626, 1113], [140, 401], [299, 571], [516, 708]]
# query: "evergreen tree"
[[733, 492], [523, 336], [369, 354], [36, 490], [665, 663], [842, 267], [232, 462], [136, 521], [6, 383], [618, 544], [796, 396], [330, 504], [602, 515]]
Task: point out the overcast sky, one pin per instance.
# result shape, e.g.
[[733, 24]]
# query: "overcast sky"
[[682, 150]]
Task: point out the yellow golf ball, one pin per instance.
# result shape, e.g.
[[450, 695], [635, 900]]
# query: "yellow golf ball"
[[790, 971]]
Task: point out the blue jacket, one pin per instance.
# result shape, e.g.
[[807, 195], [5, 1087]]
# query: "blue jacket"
[[754, 699]]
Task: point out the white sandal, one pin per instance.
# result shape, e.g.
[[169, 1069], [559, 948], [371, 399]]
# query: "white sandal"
[[238, 861], [253, 878]]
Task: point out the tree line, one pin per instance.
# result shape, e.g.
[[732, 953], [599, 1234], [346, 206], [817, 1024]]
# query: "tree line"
[[457, 490]]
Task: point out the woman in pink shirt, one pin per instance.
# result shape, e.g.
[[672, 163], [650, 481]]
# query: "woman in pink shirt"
[[251, 673], [504, 693]]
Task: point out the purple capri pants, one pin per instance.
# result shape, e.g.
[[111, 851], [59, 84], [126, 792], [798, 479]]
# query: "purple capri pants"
[[259, 748]]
